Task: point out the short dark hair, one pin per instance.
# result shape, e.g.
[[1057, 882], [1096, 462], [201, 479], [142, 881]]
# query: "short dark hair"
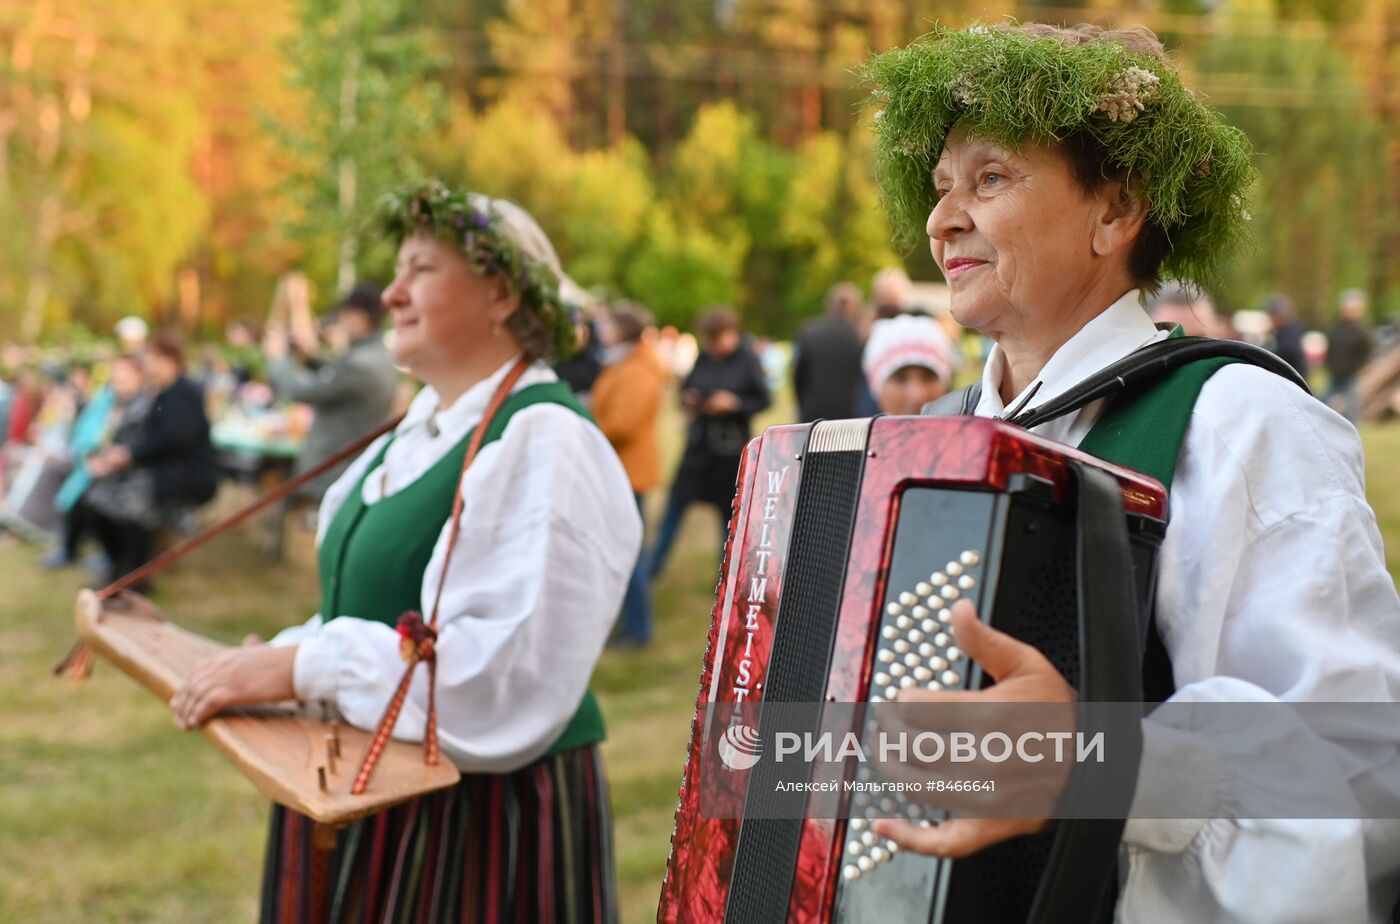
[[629, 320], [168, 345], [1091, 169], [716, 320], [366, 297]]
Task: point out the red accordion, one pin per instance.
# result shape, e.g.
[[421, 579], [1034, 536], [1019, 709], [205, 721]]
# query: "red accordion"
[[834, 576]]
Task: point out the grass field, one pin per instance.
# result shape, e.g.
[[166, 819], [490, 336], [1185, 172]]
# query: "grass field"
[[107, 813]]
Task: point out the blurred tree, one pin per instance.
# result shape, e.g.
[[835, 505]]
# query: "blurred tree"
[[366, 73]]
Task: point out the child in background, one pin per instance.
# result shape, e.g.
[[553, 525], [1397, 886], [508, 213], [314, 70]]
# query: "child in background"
[[908, 362]]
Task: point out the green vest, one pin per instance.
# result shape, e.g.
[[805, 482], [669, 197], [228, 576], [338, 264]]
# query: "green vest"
[[373, 556], [1143, 429]]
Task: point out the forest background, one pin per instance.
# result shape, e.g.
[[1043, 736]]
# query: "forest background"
[[172, 159]]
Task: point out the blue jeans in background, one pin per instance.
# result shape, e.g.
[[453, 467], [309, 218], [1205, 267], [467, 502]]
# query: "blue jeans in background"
[[636, 605]]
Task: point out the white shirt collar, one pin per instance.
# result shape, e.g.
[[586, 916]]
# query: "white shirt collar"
[[463, 413], [1118, 330]]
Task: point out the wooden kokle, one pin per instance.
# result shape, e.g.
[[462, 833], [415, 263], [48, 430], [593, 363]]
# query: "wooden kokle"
[[296, 754]]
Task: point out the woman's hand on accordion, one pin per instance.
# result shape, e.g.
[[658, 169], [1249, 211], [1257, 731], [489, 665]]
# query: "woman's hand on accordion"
[[1022, 675], [237, 677]]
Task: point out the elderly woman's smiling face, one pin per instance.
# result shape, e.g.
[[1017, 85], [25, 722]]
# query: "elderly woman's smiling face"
[[1022, 245]]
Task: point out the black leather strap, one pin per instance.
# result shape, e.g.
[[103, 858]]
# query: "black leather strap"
[[1148, 364], [1083, 861], [1140, 367]]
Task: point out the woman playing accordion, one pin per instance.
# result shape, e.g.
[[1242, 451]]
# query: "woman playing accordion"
[[524, 590], [1060, 175]]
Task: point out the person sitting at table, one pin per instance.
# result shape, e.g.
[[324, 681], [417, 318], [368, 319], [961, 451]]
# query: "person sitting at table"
[[350, 393], [158, 469]]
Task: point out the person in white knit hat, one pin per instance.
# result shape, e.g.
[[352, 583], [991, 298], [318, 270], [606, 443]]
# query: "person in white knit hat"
[[908, 362]]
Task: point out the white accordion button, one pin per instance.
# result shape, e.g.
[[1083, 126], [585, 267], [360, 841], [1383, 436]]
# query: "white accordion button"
[[923, 588], [885, 655], [894, 609], [954, 654], [908, 599], [866, 864], [969, 558], [938, 579], [850, 873], [879, 854], [915, 636], [923, 674], [967, 582], [950, 678], [855, 847], [941, 640], [919, 612], [934, 685], [891, 691], [882, 679], [897, 669], [889, 632], [945, 615], [903, 622], [950, 592], [892, 847], [927, 650], [929, 626], [954, 568], [901, 646], [912, 659], [858, 824], [906, 681]]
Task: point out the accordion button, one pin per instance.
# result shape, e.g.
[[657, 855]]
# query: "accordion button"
[[850, 873], [953, 568], [892, 847], [868, 838], [923, 588], [858, 824], [941, 640], [950, 592], [950, 678], [912, 659], [969, 558], [934, 685], [894, 609], [854, 848], [897, 669], [908, 599], [927, 650], [877, 698], [929, 625], [891, 691], [967, 582], [865, 864], [923, 674], [906, 681], [879, 854], [945, 615], [885, 655], [938, 579], [903, 622], [954, 654], [889, 632], [915, 636], [920, 612], [882, 679]]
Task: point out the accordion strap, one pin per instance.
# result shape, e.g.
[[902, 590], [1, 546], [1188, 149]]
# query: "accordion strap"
[[1083, 861]]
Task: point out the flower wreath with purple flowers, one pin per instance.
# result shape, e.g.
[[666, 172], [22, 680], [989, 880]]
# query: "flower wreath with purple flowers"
[[434, 208]]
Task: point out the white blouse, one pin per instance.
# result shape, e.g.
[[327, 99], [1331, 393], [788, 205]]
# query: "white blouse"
[[549, 535], [1273, 587]]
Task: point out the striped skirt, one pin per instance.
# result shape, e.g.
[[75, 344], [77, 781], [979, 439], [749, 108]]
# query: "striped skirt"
[[530, 846]]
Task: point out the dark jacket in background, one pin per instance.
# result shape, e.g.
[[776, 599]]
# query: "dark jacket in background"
[[715, 442], [1288, 346], [827, 373], [1348, 349], [581, 370], [350, 395], [174, 445]]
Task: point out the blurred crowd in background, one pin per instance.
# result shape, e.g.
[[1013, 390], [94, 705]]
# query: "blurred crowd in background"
[[110, 450]]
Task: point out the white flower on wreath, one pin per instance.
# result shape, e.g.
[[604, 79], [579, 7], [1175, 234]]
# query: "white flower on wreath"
[[963, 90], [1128, 94]]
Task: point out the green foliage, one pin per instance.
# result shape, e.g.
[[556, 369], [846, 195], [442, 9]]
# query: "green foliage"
[[370, 101], [678, 270], [1319, 157], [1015, 88], [610, 199]]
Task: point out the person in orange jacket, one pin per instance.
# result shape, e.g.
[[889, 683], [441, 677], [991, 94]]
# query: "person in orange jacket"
[[626, 404]]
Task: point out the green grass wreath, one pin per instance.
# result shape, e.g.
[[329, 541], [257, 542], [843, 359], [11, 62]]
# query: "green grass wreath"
[[1010, 85]]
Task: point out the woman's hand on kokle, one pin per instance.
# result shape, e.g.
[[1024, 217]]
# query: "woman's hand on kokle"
[[239, 676]]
